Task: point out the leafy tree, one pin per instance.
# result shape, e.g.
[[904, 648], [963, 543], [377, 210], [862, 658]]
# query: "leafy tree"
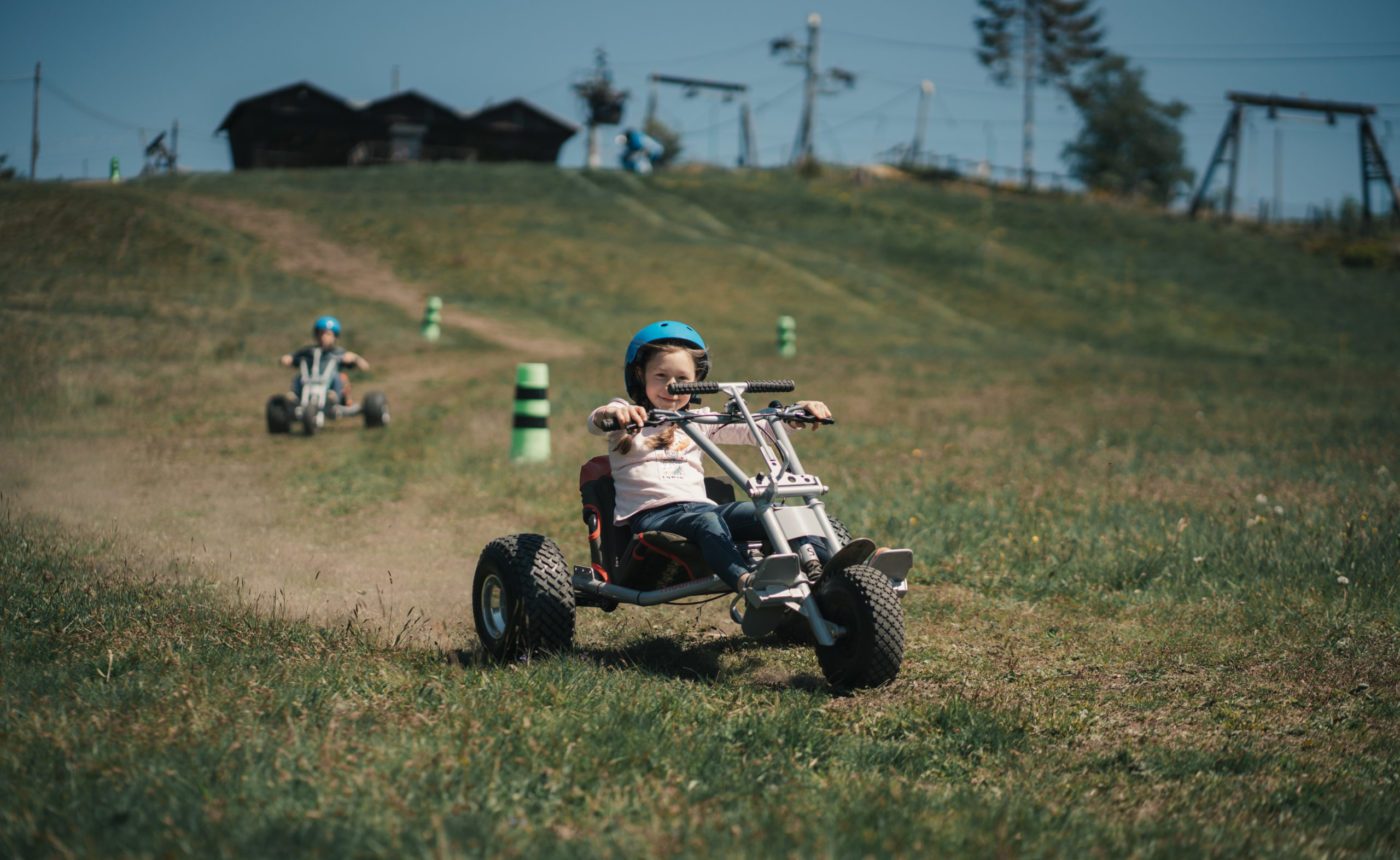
[[1050, 38], [1130, 144], [6, 172], [668, 138]]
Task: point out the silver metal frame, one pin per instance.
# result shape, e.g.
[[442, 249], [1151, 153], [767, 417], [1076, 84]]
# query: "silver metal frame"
[[779, 583], [315, 387]]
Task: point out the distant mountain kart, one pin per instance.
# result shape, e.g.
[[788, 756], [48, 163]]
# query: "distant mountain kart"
[[525, 595], [318, 402]]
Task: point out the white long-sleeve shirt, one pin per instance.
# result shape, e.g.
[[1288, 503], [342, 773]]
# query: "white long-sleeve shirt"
[[644, 478]]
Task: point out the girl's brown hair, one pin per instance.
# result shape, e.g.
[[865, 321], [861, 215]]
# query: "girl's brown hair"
[[639, 366]]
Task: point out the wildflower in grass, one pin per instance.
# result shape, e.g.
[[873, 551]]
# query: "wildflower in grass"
[[1262, 499], [1278, 510], [1342, 580], [1198, 559], [913, 521], [1035, 538], [917, 453]]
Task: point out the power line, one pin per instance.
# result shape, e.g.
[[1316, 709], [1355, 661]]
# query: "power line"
[[77, 105], [1310, 58], [906, 43], [712, 55]]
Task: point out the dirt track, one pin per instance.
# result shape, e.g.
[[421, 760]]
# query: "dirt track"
[[301, 249], [184, 505]]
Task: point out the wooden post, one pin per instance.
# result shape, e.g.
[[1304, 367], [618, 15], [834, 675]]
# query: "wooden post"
[[34, 139]]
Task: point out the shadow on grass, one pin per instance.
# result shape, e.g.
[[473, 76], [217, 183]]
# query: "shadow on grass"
[[671, 657]]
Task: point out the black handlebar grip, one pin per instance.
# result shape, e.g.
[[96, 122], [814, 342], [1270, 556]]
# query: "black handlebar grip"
[[609, 425], [692, 387], [771, 385]]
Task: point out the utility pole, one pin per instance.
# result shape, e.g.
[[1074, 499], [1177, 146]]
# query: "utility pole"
[[394, 80], [802, 149], [1278, 174], [925, 94], [174, 146], [34, 140], [1028, 111]]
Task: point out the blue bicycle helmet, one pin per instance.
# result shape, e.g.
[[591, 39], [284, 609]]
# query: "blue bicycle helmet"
[[662, 332], [326, 323]]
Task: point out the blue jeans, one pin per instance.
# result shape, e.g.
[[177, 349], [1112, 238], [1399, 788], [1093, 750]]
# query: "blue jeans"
[[715, 529]]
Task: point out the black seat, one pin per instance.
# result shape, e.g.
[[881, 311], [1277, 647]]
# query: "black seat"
[[646, 561]]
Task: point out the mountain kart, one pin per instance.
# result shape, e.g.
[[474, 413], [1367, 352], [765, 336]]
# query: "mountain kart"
[[318, 401], [525, 594]]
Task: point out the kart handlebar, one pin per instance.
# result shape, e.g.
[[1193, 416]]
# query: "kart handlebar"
[[714, 387], [775, 413]]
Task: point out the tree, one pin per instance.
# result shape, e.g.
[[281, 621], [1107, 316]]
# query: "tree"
[[1130, 144], [6, 173], [1051, 38], [669, 139]]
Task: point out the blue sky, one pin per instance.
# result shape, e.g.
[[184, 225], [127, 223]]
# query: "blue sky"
[[113, 69]]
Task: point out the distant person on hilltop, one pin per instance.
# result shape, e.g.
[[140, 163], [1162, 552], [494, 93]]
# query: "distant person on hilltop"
[[318, 355], [638, 149]]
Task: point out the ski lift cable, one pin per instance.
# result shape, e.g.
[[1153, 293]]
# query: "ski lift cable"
[[92, 112], [874, 110]]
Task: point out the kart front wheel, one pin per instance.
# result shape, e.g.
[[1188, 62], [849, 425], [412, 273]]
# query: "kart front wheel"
[[308, 420], [376, 409], [868, 654], [522, 598]]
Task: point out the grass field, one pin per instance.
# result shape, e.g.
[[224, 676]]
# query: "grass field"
[[1146, 468]]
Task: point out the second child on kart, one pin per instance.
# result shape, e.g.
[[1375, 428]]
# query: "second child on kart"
[[658, 472], [326, 330]]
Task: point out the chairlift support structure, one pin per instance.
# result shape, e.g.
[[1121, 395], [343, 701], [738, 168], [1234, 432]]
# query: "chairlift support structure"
[[748, 146], [1227, 149]]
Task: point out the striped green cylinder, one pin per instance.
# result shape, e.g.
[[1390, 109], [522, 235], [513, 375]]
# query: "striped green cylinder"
[[787, 336], [432, 319], [529, 437]]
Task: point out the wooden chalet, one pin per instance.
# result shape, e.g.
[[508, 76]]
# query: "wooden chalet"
[[303, 126]]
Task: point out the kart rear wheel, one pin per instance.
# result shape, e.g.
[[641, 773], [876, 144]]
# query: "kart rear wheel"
[[860, 599], [522, 598], [279, 414], [376, 409]]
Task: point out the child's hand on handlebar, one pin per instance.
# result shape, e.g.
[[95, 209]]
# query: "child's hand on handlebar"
[[625, 416], [816, 409]]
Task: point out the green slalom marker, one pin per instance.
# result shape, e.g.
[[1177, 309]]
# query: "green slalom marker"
[[787, 336], [432, 319], [529, 438]]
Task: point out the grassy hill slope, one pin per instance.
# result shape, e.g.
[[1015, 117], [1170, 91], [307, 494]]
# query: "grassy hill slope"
[[1145, 465]]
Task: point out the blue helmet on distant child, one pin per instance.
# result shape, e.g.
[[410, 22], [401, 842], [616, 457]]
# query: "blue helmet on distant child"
[[326, 323], [662, 332]]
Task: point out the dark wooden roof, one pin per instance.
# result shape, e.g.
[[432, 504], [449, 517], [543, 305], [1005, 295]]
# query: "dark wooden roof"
[[520, 114], [411, 106], [300, 97]]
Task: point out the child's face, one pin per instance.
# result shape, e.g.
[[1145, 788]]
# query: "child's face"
[[663, 369], [326, 338]]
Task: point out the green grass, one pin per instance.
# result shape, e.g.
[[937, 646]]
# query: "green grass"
[[1146, 467]]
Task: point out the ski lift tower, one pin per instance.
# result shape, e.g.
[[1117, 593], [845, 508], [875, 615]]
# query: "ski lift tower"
[[815, 83], [602, 103], [748, 149], [1227, 149]]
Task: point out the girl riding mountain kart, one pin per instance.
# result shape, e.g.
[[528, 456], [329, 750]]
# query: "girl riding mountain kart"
[[321, 388], [659, 531]]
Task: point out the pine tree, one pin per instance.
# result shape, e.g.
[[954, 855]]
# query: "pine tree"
[[1130, 144], [1050, 38]]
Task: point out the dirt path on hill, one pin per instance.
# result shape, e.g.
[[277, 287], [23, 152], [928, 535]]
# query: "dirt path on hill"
[[211, 503], [302, 249]]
